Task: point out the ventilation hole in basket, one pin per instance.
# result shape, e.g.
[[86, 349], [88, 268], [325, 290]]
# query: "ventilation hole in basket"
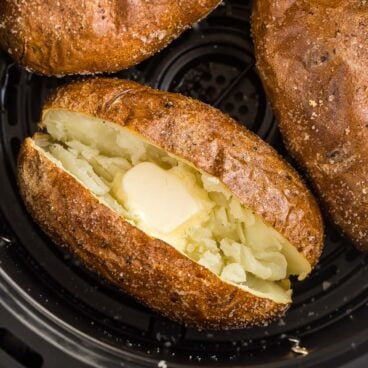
[[15, 146], [210, 91], [220, 80], [352, 255], [206, 77], [243, 110], [17, 349], [239, 96], [197, 86], [11, 105], [35, 104]]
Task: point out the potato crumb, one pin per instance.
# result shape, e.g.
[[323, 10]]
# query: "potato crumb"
[[162, 364]]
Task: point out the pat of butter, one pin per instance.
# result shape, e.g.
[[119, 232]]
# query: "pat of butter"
[[160, 200]]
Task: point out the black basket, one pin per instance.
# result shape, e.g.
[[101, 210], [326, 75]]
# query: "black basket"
[[55, 313]]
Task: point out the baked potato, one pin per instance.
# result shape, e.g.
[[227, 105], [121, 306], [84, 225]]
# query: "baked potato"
[[313, 59], [83, 37], [172, 201]]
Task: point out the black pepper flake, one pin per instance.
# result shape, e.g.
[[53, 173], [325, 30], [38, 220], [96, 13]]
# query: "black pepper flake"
[[335, 155], [174, 297], [324, 57]]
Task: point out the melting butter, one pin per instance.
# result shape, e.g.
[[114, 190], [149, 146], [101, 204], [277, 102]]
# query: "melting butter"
[[158, 198]]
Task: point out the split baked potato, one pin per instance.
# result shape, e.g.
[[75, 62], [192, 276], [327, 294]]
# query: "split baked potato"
[[172, 201], [82, 37], [313, 59]]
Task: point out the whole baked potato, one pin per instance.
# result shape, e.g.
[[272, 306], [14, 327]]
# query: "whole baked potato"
[[172, 201], [83, 37], [313, 59]]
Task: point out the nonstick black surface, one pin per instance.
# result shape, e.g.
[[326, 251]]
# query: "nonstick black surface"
[[55, 296]]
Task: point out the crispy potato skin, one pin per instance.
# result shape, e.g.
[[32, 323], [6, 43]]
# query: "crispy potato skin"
[[214, 143], [149, 269], [315, 74], [82, 37]]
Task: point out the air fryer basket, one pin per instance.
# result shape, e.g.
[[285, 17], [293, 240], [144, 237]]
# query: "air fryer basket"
[[53, 305]]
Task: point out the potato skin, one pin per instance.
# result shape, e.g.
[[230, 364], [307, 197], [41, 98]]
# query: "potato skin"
[[315, 74], [147, 268], [83, 37], [214, 143]]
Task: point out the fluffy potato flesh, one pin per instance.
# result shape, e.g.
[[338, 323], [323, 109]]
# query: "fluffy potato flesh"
[[223, 235]]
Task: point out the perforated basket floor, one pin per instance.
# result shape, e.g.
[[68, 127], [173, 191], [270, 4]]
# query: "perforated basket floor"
[[82, 314]]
